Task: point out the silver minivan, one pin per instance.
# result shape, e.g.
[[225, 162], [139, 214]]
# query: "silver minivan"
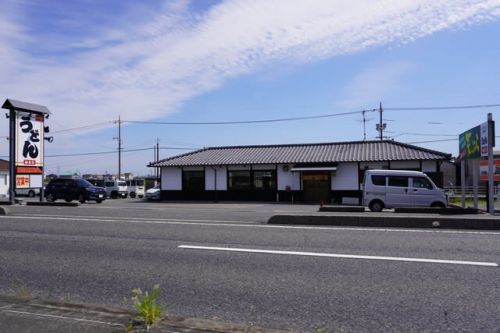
[[400, 188]]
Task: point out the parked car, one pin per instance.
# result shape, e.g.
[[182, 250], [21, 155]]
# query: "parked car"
[[399, 188], [135, 188], [153, 193], [73, 189], [29, 192], [116, 188]]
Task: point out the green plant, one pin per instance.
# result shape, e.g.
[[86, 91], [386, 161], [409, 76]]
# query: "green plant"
[[149, 310], [320, 329]]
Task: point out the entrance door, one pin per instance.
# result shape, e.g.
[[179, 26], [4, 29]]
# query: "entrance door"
[[316, 186]]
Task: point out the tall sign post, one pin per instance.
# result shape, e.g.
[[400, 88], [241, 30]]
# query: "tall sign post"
[[489, 147], [474, 144], [26, 150]]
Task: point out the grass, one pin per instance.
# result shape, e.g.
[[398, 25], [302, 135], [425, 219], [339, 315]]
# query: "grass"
[[149, 310]]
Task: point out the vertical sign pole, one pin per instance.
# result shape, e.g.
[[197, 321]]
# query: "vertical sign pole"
[[462, 180], [491, 137], [475, 180], [12, 155]]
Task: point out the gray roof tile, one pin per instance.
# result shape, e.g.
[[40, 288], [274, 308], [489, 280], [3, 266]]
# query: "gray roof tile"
[[356, 151]]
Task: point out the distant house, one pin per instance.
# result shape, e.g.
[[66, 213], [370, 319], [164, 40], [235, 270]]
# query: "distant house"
[[328, 172], [4, 177]]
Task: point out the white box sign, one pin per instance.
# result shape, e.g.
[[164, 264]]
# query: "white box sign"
[[29, 139]]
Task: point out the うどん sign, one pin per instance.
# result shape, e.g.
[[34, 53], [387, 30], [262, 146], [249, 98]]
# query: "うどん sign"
[[29, 141]]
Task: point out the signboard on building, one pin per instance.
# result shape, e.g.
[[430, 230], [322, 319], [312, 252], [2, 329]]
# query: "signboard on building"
[[474, 142], [483, 170]]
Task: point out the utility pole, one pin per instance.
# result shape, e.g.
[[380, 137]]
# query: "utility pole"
[[381, 126], [119, 138], [364, 126], [157, 157]]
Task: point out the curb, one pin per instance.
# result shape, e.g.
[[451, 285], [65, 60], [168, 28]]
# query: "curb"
[[389, 221], [120, 318], [45, 203], [4, 211]]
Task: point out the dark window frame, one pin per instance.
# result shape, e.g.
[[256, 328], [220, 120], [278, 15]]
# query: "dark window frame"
[[379, 177], [393, 181], [200, 187], [252, 179]]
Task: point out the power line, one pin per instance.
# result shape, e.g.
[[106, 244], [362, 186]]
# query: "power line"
[[480, 106], [248, 121], [115, 151], [84, 127]]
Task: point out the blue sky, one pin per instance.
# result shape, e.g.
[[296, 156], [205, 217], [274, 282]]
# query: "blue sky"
[[90, 61]]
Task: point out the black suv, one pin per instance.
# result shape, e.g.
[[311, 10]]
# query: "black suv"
[[73, 189]]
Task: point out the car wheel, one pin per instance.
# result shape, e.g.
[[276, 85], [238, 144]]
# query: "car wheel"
[[81, 198], [132, 195], [68, 199], [376, 206], [98, 201], [31, 193], [50, 197], [438, 205], [114, 195]]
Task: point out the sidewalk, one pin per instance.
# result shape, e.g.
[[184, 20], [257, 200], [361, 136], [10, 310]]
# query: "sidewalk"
[[32, 315]]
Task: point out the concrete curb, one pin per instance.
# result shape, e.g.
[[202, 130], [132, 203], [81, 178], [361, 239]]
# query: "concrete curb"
[[119, 318], [354, 209], [46, 203], [455, 222], [4, 211]]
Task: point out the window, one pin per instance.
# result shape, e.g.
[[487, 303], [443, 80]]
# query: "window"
[[398, 181], [264, 180], [193, 180], [239, 180], [378, 180], [422, 183]]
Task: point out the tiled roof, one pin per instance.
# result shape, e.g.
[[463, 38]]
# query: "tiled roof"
[[357, 151]]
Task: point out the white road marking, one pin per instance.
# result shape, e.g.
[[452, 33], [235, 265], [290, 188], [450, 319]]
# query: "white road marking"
[[335, 255], [62, 317], [229, 223]]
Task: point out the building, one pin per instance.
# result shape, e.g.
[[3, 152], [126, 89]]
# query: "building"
[[4, 178], [328, 172]]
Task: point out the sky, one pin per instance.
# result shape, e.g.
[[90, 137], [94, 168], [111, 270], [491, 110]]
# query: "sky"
[[91, 62]]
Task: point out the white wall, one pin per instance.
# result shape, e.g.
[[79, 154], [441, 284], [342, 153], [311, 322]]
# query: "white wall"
[[171, 179], [4, 182], [287, 178], [374, 165], [429, 166], [405, 165], [346, 177], [221, 178]]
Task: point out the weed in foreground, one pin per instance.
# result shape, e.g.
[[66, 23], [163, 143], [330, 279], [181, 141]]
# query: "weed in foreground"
[[149, 310]]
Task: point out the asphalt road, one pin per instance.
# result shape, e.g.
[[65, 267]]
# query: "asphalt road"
[[367, 280]]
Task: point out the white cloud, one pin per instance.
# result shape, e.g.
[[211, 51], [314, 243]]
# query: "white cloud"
[[148, 70]]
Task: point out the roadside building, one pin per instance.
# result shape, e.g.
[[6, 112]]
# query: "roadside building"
[[328, 172], [4, 178]]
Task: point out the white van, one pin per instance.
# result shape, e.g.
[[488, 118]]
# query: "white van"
[[136, 188], [116, 188], [399, 188]]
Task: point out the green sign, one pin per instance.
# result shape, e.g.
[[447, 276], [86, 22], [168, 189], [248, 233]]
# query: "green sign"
[[470, 143]]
